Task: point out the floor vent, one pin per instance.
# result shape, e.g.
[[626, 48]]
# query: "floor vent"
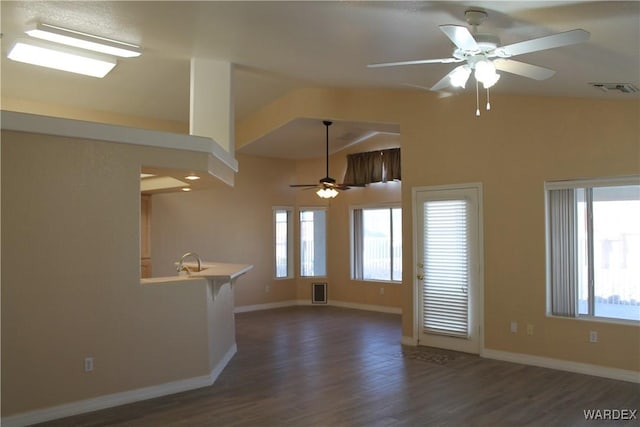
[[319, 293], [620, 87]]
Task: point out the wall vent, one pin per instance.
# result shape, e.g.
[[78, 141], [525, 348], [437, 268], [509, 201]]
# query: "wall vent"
[[319, 293], [620, 87]]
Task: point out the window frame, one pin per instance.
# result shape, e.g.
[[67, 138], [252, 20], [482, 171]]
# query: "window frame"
[[290, 242], [326, 229], [579, 184], [352, 242]]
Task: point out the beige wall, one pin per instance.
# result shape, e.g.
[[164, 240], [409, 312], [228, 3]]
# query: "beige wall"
[[70, 277], [199, 221], [70, 234], [340, 287], [228, 224], [512, 150]]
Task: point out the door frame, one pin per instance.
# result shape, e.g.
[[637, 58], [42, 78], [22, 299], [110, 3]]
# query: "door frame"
[[479, 304]]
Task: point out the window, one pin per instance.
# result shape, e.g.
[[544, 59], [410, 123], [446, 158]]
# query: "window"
[[594, 248], [283, 233], [373, 166], [313, 238], [377, 244]]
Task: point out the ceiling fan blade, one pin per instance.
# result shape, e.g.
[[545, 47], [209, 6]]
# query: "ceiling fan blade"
[[523, 69], [541, 43], [342, 187], [441, 93], [460, 36], [303, 185], [445, 81], [416, 62]]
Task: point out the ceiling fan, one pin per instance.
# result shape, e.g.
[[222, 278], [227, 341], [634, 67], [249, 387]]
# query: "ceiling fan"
[[327, 186], [482, 53]]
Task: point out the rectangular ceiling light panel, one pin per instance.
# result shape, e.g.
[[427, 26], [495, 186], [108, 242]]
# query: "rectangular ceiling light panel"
[[62, 59], [84, 41]]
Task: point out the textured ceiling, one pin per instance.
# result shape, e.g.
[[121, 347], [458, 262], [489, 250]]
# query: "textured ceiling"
[[280, 46]]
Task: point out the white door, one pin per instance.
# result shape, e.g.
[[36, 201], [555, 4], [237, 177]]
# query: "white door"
[[448, 266]]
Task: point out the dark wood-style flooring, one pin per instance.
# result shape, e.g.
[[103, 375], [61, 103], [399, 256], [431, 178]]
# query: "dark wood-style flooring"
[[327, 366]]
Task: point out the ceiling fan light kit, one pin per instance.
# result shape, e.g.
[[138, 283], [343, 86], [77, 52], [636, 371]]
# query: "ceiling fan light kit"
[[486, 73], [482, 54], [459, 76], [327, 193]]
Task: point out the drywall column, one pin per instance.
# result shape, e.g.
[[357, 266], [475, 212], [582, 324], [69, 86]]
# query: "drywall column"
[[212, 112], [212, 94]]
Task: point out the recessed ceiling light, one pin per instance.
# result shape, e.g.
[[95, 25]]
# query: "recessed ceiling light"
[[186, 189], [192, 177], [84, 40], [61, 58]]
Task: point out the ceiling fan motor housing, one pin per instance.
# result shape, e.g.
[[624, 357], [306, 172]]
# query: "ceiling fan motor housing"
[[327, 180], [487, 44]]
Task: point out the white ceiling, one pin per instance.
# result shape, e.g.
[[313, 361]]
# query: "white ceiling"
[[280, 46]]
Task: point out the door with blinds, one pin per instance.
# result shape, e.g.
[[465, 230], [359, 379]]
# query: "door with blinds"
[[448, 266]]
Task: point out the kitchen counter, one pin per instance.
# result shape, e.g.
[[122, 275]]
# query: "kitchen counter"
[[216, 273]]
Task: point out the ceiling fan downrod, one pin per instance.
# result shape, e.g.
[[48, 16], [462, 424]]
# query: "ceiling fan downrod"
[[475, 17], [327, 123]]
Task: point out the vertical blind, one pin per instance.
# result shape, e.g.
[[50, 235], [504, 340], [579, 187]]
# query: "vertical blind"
[[358, 244], [446, 268], [563, 250], [282, 243], [313, 243], [377, 244]]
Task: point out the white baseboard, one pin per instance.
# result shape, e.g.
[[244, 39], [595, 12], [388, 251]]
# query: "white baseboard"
[[366, 307], [217, 370], [408, 341], [267, 306], [117, 399], [563, 365], [300, 302]]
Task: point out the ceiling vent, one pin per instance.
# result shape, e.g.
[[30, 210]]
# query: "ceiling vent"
[[620, 87]]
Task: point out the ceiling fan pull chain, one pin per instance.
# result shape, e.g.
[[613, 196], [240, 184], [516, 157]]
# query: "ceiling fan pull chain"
[[488, 103], [477, 101]]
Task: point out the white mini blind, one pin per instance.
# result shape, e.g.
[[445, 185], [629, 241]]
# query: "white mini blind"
[[446, 268]]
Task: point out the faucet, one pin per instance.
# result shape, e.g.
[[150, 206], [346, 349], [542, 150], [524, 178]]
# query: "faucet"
[[185, 256]]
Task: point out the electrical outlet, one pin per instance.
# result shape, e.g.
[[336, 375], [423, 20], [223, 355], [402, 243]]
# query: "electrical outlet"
[[593, 336], [88, 364], [529, 329], [514, 327], [381, 291]]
